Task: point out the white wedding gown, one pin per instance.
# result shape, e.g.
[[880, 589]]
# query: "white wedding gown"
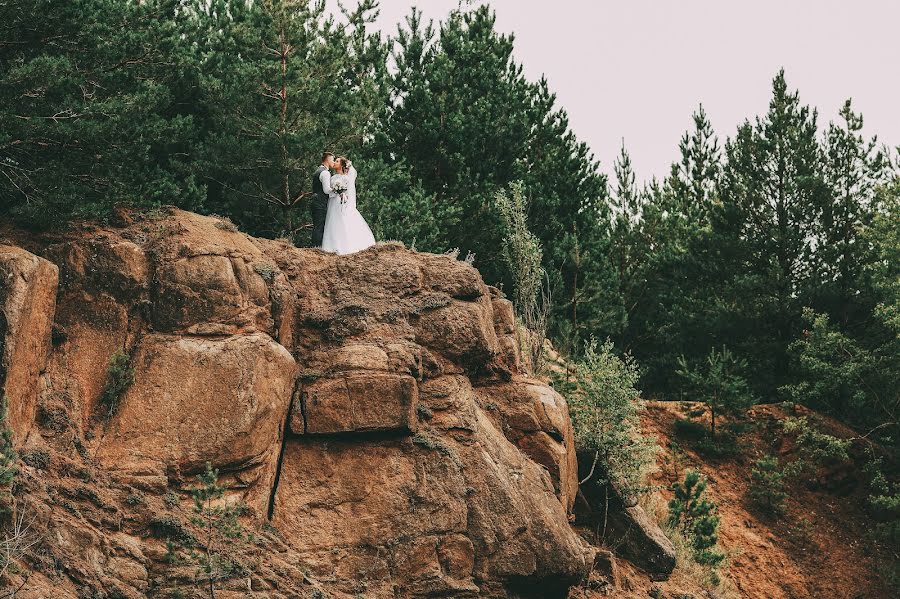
[[346, 231]]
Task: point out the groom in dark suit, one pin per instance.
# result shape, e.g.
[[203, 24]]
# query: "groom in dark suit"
[[321, 186]]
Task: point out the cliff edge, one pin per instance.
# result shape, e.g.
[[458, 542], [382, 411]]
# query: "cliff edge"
[[370, 411]]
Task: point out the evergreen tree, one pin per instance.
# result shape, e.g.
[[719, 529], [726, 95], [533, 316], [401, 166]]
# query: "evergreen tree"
[[221, 533], [853, 169], [857, 379], [675, 310], [774, 197], [628, 246], [88, 117], [695, 516], [468, 123], [719, 384], [694, 180], [280, 81], [767, 484]]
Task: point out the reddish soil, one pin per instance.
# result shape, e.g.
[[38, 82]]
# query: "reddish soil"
[[819, 547]]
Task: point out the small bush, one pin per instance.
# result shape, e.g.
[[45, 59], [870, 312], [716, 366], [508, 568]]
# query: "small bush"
[[221, 531], [136, 498], [224, 223], [605, 407], [169, 527], [689, 429], [266, 271], [724, 445], [718, 383], [36, 458], [815, 446], [695, 516], [884, 503], [767, 485], [119, 377], [523, 256], [8, 458], [431, 441]]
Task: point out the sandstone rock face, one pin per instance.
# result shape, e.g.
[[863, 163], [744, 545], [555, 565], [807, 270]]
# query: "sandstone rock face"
[[27, 305], [371, 408], [196, 400], [639, 539], [536, 419], [426, 509], [102, 283], [365, 402]]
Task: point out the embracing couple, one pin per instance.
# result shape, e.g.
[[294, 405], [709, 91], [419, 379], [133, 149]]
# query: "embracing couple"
[[338, 227]]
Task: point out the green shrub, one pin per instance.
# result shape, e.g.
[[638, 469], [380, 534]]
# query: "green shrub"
[[221, 531], [523, 256], [689, 429], [767, 484], [431, 441], [883, 503], [605, 405], [846, 378], [266, 271], [119, 376], [136, 498], [718, 383], [171, 528], [8, 459], [695, 516], [36, 458], [815, 446]]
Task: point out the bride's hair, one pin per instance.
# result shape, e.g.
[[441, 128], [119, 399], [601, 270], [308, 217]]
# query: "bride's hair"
[[345, 164]]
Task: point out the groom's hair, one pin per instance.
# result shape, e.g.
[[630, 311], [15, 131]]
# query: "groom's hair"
[[325, 156]]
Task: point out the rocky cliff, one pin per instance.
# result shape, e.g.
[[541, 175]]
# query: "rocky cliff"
[[371, 411]]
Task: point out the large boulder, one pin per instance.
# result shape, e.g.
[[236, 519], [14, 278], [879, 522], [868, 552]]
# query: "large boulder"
[[428, 515], [536, 419], [626, 527], [197, 400], [360, 402], [638, 538], [28, 287]]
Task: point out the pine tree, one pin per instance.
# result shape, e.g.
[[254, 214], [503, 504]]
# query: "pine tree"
[[719, 384], [853, 168], [281, 81], [674, 312], [467, 123], [628, 242], [694, 180], [767, 486], [88, 117], [221, 531], [774, 196], [695, 516]]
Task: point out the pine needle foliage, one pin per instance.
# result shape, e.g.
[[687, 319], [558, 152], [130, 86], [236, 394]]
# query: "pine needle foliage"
[[695, 516]]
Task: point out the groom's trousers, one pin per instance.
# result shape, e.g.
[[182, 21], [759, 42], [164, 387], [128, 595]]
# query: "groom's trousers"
[[319, 209]]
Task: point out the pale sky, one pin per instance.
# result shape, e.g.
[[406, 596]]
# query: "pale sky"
[[637, 69]]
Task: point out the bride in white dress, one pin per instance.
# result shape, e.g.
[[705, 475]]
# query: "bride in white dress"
[[346, 231]]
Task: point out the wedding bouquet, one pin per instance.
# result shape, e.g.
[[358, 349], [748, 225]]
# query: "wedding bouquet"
[[340, 188]]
